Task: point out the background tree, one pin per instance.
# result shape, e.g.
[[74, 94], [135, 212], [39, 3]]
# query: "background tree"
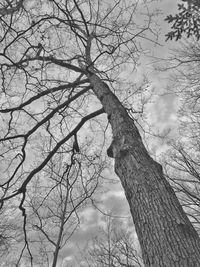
[[60, 61], [185, 160], [54, 207], [11, 234], [113, 246], [183, 155]]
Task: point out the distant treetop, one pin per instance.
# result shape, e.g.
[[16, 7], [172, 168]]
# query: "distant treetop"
[[186, 22]]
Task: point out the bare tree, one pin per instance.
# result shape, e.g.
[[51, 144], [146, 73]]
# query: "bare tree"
[[185, 161], [113, 247], [52, 207], [182, 159], [11, 234], [57, 58], [55, 206]]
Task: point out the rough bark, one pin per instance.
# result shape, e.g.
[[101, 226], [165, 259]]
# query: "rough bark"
[[166, 235]]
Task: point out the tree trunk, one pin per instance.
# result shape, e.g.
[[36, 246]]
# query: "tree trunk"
[[60, 235], [57, 248], [166, 235]]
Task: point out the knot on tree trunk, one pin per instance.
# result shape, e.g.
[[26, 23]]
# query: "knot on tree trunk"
[[119, 147]]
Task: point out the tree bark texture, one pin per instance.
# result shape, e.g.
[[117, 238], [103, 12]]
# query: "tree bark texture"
[[166, 235]]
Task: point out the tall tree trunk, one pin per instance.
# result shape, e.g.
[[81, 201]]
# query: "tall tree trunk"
[[166, 235]]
